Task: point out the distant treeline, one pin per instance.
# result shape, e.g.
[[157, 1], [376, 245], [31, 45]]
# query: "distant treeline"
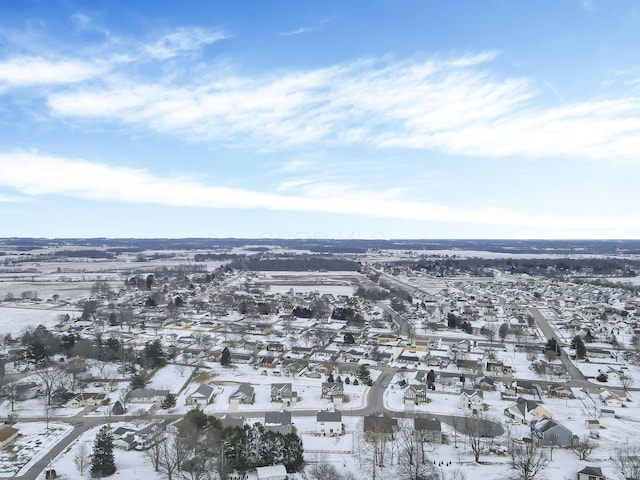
[[547, 267], [557, 247], [207, 257], [84, 254], [294, 264]]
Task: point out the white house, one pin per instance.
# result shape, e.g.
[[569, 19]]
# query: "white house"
[[472, 400], [329, 424]]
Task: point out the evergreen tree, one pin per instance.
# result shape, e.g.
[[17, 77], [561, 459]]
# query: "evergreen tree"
[[503, 331], [225, 360], [102, 461], [330, 378], [552, 344], [578, 344], [293, 453], [169, 401], [153, 354], [364, 375]]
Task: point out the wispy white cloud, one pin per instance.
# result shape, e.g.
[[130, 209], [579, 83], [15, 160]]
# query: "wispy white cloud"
[[451, 105], [296, 31], [33, 174], [182, 40], [298, 165], [306, 29], [81, 21], [588, 5], [36, 71], [455, 105]]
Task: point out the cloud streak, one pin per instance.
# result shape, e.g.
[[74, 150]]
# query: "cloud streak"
[[182, 40], [32, 174], [456, 106]]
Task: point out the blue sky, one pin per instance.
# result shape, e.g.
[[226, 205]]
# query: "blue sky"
[[333, 119]]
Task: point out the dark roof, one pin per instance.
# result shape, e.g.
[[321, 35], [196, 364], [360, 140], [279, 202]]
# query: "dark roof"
[[382, 424], [427, 424], [230, 422], [591, 471], [277, 418], [324, 416]]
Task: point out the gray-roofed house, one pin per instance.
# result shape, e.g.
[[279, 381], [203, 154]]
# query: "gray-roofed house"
[[548, 432], [332, 389], [591, 473], [428, 429], [202, 396], [415, 395], [379, 425], [283, 392], [143, 395], [329, 424], [244, 395], [232, 422], [279, 422]]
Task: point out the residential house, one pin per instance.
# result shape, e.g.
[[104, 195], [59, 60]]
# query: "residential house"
[[239, 357], [472, 400], [486, 383], [548, 432], [245, 395], [149, 436], [232, 422], [611, 399], [527, 411], [590, 473], [415, 395], [142, 395], [499, 368], [201, 397], [283, 392], [329, 424], [268, 361], [279, 422], [561, 392], [428, 429], [332, 389], [379, 425], [7, 436], [125, 442], [88, 399], [271, 472]]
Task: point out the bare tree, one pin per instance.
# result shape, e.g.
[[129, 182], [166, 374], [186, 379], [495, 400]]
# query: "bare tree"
[[48, 414], [583, 448], [12, 418], [82, 457], [412, 464], [49, 379], [627, 460], [472, 428], [172, 452], [154, 452], [74, 367], [626, 381], [529, 460], [11, 393], [321, 469]]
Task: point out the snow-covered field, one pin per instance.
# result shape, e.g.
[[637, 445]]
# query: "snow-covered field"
[[15, 320]]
